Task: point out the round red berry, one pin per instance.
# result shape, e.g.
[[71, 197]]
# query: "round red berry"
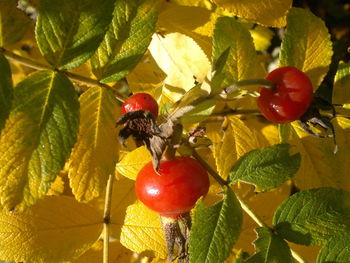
[[289, 99], [173, 193], [140, 101]]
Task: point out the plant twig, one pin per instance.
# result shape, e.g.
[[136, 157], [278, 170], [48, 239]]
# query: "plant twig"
[[244, 206], [107, 217], [74, 77]]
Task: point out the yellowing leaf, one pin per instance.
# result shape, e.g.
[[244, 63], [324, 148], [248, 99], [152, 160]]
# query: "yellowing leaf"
[[267, 12], [56, 229], [341, 89], [133, 162], [142, 231], [182, 60], [320, 167], [96, 151], [236, 140], [262, 37], [306, 45]]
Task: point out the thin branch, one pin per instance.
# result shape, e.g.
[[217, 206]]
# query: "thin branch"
[[74, 77], [106, 218]]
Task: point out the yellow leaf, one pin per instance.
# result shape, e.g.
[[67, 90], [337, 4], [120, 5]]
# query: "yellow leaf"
[[142, 231], [200, 3], [57, 186], [184, 62], [262, 37], [235, 141], [96, 151], [341, 89], [268, 12], [56, 229], [306, 45], [320, 167], [133, 162]]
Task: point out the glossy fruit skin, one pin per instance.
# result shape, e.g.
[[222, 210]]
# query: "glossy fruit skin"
[[173, 193], [140, 101], [289, 99]]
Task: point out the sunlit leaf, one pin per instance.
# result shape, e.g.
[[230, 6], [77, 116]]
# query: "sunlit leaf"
[[341, 89], [184, 62], [132, 162], [262, 37], [13, 23], [268, 13], [306, 45], [142, 232], [313, 216], [69, 32], [215, 229], [6, 90], [267, 167], [37, 137], [270, 248], [96, 151], [336, 250], [127, 39], [56, 229]]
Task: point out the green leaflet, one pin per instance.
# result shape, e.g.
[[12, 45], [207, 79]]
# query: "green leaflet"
[[96, 152], [37, 137], [68, 32], [232, 37], [127, 39], [270, 248], [215, 230], [341, 89], [267, 167], [312, 217], [306, 45], [6, 90], [336, 250], [13, 23]]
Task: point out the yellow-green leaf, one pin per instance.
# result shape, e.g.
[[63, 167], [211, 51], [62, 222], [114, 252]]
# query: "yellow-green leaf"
[[96, 151], [142, 231], [13, 23], [133, 162], [184, 62], [37, 137], [56, 229], [306, 45], [341, 89], [268, 12]]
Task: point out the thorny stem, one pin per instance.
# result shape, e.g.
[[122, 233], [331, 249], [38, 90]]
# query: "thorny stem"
[[244, 206], [74, 77], [106, 218]]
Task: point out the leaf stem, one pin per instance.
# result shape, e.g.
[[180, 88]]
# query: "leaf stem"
[[107, 218], [74, 77], [249, 82]]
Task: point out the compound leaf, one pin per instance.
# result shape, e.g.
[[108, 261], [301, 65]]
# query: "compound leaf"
[[96, 151], [215, 230], [37, 137], [68, 32], [313, 216], [55, 229]]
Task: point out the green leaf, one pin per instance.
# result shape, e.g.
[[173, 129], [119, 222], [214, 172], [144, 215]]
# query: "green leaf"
[[127, 39], [306, 45], [56, 229], [37, 137], [284, 132], [312, 217], [13, 23], [241, 59], [96, 152], [266, 168], [68, 32], [337, 250], [215, 230], [6, 90], [270, 248], [341, 89]]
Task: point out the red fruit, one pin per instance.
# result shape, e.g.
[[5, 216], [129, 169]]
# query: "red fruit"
[[289, 99], [140, 101], [175, 191]]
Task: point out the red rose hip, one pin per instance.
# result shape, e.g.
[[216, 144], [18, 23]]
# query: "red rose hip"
[[140, 101], [173, 193]]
